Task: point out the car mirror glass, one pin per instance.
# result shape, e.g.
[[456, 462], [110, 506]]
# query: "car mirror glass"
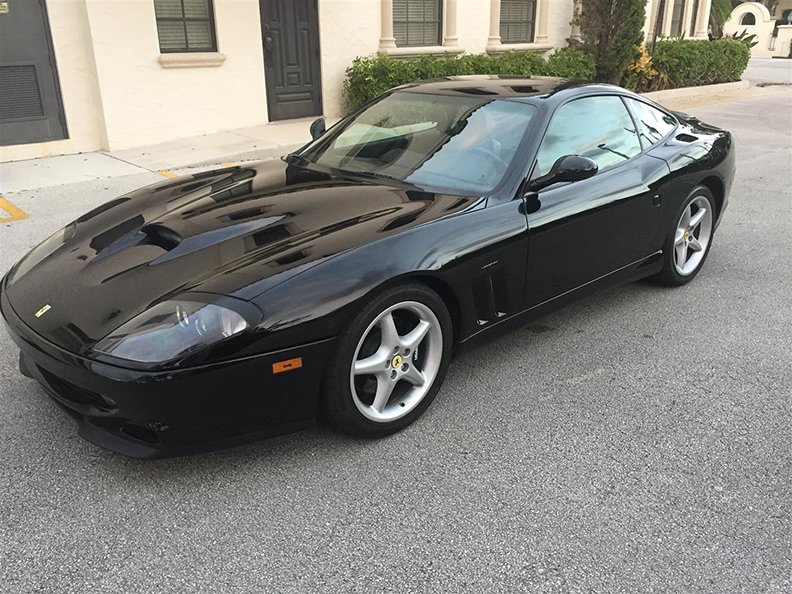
[[318, 127], [570, 168]]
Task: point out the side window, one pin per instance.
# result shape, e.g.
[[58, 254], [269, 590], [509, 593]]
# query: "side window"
[[653, 124], [599, 128]]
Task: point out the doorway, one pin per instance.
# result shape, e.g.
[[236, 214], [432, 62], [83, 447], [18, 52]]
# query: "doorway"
[[31, 109], [290, 30]]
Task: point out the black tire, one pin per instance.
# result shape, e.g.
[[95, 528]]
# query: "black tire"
[[669, 275], [336, 400]]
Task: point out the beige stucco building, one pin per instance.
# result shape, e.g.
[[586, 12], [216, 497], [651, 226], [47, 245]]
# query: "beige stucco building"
[[773, 39], [86, 75]]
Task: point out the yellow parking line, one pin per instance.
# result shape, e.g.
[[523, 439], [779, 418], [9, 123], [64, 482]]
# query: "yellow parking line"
[[167, 174], [16, 214]]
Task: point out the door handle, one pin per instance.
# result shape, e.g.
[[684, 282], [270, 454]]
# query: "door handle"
[[268, 44]]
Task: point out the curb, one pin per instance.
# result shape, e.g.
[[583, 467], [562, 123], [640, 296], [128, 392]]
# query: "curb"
[[687, 92]]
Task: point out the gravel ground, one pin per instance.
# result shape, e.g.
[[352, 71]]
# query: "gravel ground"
[[638, 441]]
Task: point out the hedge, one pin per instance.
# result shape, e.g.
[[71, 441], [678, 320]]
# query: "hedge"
[[674, 63], [694, 62], [370, 76]]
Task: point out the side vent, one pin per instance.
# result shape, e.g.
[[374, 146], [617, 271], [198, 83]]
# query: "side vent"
[[490, 295], [686, 137], [21, 93], [162, 236]]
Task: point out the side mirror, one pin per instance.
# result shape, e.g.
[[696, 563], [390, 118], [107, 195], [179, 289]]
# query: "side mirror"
[[318, 128], [571, 168]]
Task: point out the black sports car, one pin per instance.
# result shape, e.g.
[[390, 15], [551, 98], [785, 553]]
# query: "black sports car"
[[242, 302]]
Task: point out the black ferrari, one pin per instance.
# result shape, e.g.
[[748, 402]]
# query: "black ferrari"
[[338, 281]]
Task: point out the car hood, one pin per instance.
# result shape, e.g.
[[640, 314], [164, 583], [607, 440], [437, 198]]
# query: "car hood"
[[236, 231]]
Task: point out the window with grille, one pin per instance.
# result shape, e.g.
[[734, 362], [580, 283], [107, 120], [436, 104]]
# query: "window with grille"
[[517, 19], [185, 26], [677, 14], [417, 22]]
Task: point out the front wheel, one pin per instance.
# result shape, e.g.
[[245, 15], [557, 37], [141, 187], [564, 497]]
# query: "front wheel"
[[389, 362], [688, 243]]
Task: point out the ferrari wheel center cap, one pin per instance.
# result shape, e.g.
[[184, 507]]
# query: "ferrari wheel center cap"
[[396, 362], [687, 234]]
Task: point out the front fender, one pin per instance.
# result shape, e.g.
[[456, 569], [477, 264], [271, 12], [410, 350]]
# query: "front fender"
[[479, 255]]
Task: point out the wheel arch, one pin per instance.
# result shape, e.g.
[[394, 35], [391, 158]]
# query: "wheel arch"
[[714, 184], [434, 282]]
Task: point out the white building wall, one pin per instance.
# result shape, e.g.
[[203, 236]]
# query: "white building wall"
[[347, 29], [117, 93], [473, 17], [145, 103], [71, 41], [558, 18]]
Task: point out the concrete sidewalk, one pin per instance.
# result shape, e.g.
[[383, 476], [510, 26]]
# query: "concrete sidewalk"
[[255, 143], [233, 146]]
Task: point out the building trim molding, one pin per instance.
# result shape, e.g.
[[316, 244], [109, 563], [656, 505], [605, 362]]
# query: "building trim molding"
[[519, 47], [192, 60]]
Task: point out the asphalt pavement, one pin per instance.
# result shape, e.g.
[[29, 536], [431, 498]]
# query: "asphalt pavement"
[[775, 71], [638, 441]]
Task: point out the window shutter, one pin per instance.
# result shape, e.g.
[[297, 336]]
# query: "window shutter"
[[417, 22], [185, 25], [517, 21]]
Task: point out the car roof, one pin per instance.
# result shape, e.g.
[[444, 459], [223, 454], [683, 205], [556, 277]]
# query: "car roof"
[[492, 86]]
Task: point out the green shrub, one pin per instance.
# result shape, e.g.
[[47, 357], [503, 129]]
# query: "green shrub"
[[693, 62], [370, 76], [570, 62]]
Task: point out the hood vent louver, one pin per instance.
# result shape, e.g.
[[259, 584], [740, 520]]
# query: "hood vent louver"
[[686, 137], [162, 236]]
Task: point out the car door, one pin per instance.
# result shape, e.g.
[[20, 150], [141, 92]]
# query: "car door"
[[581, 231]]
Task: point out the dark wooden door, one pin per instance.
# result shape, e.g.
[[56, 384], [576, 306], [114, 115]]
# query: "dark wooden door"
[[30, 101], [290, 29]]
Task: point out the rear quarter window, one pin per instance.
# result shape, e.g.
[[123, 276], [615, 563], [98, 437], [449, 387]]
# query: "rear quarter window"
[[653, 124]]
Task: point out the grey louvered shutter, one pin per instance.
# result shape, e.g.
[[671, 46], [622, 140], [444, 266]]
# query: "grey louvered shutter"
[[517, 21], [185, 25], [417, 22]]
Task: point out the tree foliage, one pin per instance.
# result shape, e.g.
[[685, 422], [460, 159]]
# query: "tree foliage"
[[610, 30], [720, 10]]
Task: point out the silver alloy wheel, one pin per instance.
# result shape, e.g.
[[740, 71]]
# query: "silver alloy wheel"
[[692, 236], [397, 362]]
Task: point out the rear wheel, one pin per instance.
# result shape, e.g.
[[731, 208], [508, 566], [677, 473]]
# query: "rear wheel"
[[688, 243], [389, 362]]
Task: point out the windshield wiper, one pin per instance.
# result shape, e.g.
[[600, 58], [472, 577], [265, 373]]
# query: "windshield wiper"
[[366, 174]]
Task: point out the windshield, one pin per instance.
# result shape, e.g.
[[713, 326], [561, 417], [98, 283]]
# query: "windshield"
[[458, 143]]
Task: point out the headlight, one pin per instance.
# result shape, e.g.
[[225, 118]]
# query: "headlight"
[[172, 329], [43, 250]]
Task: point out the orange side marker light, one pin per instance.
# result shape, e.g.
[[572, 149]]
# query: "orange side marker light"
[[288, 365]]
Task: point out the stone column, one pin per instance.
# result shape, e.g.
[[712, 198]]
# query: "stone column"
[[387, 41], [494, 31], [450, 38], [702, 19], [575, 33], [542, 9]]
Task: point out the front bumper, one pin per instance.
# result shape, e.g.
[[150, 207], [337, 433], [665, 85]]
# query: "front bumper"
[[176, 412]]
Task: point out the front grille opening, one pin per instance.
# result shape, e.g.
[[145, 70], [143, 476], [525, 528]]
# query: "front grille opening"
[[75, 394], [140, 433]]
